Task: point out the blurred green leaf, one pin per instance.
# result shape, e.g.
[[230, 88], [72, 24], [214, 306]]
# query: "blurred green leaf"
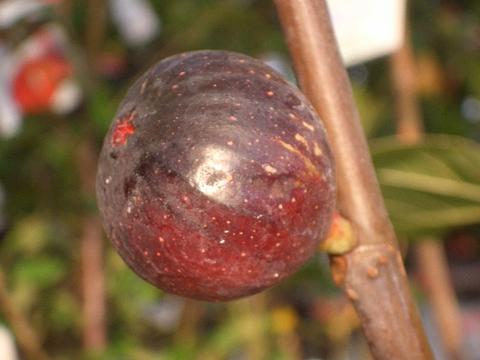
[[32, 275], [39, 272], [28, 236], [242, 327], [371, 109], [101, 108], [431, 186], [63, 311]]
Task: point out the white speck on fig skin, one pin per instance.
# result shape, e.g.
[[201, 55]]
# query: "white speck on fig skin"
[[144, 86], [269, 169]]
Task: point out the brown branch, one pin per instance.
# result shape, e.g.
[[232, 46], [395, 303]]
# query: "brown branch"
[[91, 247], [430, 254], [433, 269], [372, 275], [27, 338], [91, 242], [95, 29], [402, 68], [252, 309], [186, 334], [93, 287], [256, 345]]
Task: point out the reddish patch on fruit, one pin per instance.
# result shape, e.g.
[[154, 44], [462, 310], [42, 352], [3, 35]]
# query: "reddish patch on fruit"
[[123, 130], [221, 195]]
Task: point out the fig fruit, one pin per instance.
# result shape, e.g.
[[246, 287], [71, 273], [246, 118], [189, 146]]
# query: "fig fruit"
[[216, 179]]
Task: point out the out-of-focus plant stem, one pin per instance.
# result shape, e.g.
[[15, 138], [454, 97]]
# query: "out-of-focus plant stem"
[[93, 287], [430, 254], [372, 274], [26, 336], [433, 270], [187, 331], [95, 29], [91, 247], [254, 309]]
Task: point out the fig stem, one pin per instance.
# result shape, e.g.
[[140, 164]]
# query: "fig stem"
[[429, 252], [372, 274]]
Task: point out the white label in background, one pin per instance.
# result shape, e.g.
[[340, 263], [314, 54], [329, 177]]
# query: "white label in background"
[[67, 96], [10, 116], [367, 29], [7, 345], [136, 20], [13, 10]]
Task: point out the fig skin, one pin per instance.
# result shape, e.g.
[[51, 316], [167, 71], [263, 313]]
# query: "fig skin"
[[216, 179]]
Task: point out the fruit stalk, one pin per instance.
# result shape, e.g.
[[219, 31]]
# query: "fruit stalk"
[[372, 274], [429, 252]]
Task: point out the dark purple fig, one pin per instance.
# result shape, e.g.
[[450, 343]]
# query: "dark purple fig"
[[215, 180]]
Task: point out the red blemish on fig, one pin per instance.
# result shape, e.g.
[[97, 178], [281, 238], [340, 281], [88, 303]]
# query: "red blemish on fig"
[[123, 130]]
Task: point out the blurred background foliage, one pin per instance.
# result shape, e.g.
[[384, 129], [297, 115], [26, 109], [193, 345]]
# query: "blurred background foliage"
[[430, 188]]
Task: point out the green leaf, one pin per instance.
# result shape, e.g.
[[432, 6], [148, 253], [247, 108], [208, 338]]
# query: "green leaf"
[[63, 311], [432, 186], [28, 236], [371, 109], [101, 107], [39, 272]]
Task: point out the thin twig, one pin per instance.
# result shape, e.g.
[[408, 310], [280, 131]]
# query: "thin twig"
[[372, 275], [93, 287], [91, 242], [95, 29], [408, 120], [91, 245], [430, 254], [253, 332], [186, 334], [433, 269], [25, 334], [256, 345]]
